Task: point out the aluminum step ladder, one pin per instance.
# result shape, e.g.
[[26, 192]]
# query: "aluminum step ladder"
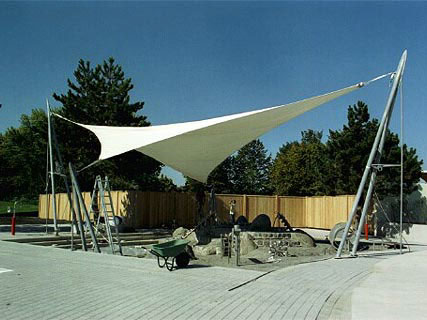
[[105, 210]]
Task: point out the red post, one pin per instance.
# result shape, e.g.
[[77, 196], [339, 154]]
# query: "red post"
[[366, 231], [12, 229]]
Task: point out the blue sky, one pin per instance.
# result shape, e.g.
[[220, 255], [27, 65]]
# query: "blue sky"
[[196, 60]]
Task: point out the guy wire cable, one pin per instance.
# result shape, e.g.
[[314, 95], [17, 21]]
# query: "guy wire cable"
[[388, 219]]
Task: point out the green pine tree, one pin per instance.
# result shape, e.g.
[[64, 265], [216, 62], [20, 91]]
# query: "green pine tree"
[[100, 96], [349, 149], [221, 177], [251, 169]]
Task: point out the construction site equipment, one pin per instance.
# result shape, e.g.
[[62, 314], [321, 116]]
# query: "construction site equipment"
[[105, 216], [174, 249]]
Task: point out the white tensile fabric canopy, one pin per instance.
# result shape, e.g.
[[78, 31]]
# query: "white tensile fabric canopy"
[[195, 148]]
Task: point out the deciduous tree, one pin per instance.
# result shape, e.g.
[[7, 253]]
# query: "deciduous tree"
[[23, 157], [299, 167], [245, 172]]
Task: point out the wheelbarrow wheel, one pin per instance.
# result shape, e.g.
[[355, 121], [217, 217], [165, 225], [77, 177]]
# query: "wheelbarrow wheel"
[[169, 265], [182, 260], [161, 265]]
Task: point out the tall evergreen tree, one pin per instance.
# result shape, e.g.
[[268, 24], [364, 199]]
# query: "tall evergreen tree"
[[100, 96], [221, 177], [349, 149], [251, 169]]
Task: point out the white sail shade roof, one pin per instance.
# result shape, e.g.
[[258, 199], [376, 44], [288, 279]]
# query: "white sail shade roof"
[[195, 148]]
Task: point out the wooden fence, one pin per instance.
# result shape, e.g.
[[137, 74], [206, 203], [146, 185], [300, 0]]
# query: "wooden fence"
[[154, 209]]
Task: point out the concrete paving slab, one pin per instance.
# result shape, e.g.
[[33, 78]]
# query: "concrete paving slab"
[[49, 283], [396, 289]]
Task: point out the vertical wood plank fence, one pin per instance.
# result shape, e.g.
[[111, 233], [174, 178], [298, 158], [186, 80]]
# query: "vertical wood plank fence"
[[154, 209]]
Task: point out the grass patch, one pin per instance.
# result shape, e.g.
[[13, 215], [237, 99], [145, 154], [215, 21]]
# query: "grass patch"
[[21, 206]]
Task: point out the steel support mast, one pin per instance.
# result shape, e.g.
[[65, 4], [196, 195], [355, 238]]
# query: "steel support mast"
[[52, 172], [374, 155]]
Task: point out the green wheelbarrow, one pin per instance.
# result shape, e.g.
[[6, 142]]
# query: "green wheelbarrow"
[[175, 250]]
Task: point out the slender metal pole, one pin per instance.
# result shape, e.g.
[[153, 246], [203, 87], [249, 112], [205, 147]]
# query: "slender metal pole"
[[79, 218], [80, 200], [64, 177], [55, 224], [212, 204], [92, 207], [72, 231], [401, 165], [47, 185], [374, 149]]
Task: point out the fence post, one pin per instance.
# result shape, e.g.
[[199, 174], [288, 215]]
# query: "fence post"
[[277, 207], [245, 204], [305, 212], [347, 211]]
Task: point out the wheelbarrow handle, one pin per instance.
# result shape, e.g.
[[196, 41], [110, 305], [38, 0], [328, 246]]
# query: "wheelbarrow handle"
[[198, 226]]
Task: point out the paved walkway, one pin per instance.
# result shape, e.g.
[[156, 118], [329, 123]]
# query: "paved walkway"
[[396, 289], [48, 283]]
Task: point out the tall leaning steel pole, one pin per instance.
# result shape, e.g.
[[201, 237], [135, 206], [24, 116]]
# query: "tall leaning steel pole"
[[384, 121], [368, 196], [52, 179]]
